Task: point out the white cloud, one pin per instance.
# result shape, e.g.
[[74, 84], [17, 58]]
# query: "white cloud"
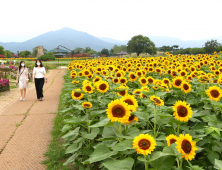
[[118, 19]]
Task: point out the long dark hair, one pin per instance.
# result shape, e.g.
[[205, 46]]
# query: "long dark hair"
[[40, 63], [21, 66]]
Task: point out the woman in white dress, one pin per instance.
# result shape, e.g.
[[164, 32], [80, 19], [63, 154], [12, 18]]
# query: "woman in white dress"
[[39, 76], [22, 79]]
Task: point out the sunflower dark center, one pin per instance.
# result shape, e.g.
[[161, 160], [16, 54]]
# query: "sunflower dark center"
[[150, 80], [102, 87], [143, 81], [122, 93], [157, 101], [186, 146], [144, 144], [178, 82], [185, 86], [86, 105], [139, 74], [129, 102], [122, 81], [183, 74], [166, 82], [172, 141], [118, 75], [118, 111], [132, 76], [182, 111], [214, 93], [77, 94], [88, 88], [115, 80], [131, 117], [86, 72]]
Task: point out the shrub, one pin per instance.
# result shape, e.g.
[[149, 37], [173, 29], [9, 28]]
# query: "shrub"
[[48, 56]]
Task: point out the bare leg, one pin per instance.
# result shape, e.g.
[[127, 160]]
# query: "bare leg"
[[24, 93], [21, 92]]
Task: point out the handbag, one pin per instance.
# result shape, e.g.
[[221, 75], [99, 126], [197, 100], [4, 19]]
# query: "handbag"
[[20, 75]]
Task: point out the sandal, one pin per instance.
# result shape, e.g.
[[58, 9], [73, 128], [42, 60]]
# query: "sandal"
[[20, 98]]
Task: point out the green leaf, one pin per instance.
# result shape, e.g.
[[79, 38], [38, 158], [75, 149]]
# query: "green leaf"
[[209, 118], [124, 145], [92, 135], [97, 112], [218, 164], [101, 123], [78, 107], [125, 164], [161, 93], [73, 148], [71, 159], [100, 153], [71, 135], [209, 130], [75, 120], [66, 128], [212, 156]]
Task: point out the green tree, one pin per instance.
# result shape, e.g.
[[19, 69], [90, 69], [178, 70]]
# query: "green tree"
[[105, 51], [25, 53], [35, 51], [87, 49], [140, 44], [92, 52], [2, 52], [151, 49], [211, 46], [78, 50], [8, 54]]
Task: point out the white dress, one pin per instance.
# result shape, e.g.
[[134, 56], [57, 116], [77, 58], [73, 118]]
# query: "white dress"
[[23, 78]]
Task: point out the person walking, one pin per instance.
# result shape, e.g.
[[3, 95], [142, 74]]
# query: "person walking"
[[39, 76], [22, 79]]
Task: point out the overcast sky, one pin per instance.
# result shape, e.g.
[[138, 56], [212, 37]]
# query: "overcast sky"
[[119, 19]]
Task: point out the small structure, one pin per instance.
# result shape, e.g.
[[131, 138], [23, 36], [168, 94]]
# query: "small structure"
[[59, 55], [94, 55], [58, 50], [40, 51], [121, 53]]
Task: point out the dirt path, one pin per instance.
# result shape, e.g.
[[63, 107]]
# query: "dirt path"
[[25, 127]]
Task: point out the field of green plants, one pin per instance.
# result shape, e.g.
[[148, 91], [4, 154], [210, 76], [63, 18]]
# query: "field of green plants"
[[157, 113]]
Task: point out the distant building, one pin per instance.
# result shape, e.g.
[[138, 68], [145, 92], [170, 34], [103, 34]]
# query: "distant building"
[[120, 54]]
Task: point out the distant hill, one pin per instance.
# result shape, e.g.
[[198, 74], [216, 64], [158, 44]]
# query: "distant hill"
[[72, 38], [67, 37], [167, 41]]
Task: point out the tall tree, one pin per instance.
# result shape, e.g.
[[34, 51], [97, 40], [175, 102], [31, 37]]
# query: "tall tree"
[[140, 44], [87, 49], [78, 50], [8, 54], [211, 46], [2, 52], [105, 51], [25, 53]]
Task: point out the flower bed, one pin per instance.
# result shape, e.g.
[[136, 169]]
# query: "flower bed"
[[140, 113], [4, 85]]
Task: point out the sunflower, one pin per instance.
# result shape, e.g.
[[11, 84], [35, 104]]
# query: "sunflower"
[[144, 144], [96, 79], [102, 86], [214, 93], [115, 80], [182, 111], [130, 100], [123, 80], [177, 82], [157, 100], [183, 73], [132, 77], [150, 80], [90, 76], [87, 105], [171, 139], [123, 92], [131, 119], [75, 82], [186, 146], [186, 87], [118, 111], [167, 53], [76, 95], [143, 81], [88, 88]]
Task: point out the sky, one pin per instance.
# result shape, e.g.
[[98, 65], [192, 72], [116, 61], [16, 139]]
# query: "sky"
[[118, 19]]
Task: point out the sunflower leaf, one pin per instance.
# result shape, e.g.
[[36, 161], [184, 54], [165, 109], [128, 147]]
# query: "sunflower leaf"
[[125, 164], [92, 135], [124, 145], [100, 153], [218, 164], [101, 123]]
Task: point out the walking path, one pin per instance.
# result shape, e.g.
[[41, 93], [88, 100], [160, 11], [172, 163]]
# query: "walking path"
[[25, 127]]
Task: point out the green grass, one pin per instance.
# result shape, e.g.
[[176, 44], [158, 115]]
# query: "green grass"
[[55, 155]]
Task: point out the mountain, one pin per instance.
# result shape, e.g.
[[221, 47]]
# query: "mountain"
[[66, 37], [167, 41]]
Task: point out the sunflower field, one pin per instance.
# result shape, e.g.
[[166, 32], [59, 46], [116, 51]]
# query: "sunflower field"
[[157, 113]]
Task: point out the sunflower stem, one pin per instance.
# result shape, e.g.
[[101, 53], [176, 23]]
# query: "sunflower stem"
[[87, 120], [155, 122], [178, 129], [146, 163], [126, 128], [181, 163], [120, 130]]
